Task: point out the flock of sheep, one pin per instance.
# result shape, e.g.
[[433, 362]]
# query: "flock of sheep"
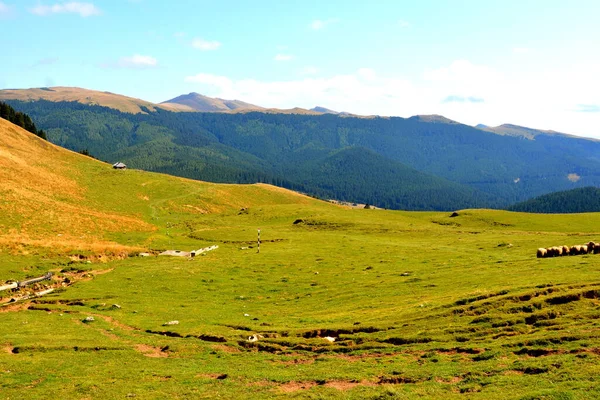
[[557, 251]]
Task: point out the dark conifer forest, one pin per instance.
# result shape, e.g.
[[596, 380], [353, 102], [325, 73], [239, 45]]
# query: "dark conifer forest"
[[417, 163]]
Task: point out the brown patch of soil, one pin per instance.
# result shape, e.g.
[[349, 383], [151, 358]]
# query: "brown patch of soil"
[[347, 385], [513, 372], [150, 351], [13, 307], [8, 349], [226, 349], [116, 323], [109, 334], [293, 386]]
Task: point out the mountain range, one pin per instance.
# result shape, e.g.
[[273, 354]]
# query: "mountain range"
[[417, 163]]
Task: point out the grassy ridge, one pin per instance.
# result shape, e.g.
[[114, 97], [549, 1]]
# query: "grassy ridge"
[[422, 305], [84, 96]]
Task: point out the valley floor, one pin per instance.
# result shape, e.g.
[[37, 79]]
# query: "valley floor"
[[343, 304]]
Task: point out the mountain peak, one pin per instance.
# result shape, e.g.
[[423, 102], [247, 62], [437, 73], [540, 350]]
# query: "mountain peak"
[[323, 110], [198, 102], [435, 118]]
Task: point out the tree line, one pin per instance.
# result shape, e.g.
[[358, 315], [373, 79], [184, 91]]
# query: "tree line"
[[20, 119]]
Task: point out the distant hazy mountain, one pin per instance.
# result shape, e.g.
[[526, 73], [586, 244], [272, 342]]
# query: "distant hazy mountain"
[[323, 110], [520, 131], [580, 200], [434, 118], [197, 102]]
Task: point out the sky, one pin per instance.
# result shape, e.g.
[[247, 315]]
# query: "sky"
[[526, 62]]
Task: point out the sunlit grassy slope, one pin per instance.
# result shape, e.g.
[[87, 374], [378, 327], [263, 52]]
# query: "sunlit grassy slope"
[[421, 305], [85, 96]]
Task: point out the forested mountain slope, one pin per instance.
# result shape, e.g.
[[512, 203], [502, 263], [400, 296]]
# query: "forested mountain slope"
[[580, 200], [291, 150]]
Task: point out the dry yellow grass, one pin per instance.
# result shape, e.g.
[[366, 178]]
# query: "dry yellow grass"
[[54, 199], [42, 204]]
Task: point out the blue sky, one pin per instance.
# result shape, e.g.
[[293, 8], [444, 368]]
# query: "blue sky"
[[532, 63]]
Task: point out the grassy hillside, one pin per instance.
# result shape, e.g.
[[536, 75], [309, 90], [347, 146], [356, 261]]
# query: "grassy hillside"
[[421, 305], [83, 96], [583, 200], [62, 201]]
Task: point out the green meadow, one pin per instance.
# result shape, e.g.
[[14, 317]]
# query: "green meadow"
[[339, 303]]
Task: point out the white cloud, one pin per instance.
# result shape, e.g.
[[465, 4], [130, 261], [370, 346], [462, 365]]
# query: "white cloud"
[[179, 35], [136, 61], [283, 57], [73, 7], [367, 74], [564, 100], [588, 108], [520, 50], [319, 24], [351, 92], [205, 45], [403, 24], [5, 9], [309, 70]]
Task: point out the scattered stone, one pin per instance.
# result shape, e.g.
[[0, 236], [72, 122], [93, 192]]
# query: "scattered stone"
[[405, 274], [329, 339], [246, 315], [174, 322], [175, 253], [454, 214], [144, 254], [88, 319], [194, 253], [255, 338], [298, 221], [116, 306]]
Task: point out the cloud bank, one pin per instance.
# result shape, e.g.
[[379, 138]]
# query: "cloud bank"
[[73, 7], [205, 45], [462, 91]]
